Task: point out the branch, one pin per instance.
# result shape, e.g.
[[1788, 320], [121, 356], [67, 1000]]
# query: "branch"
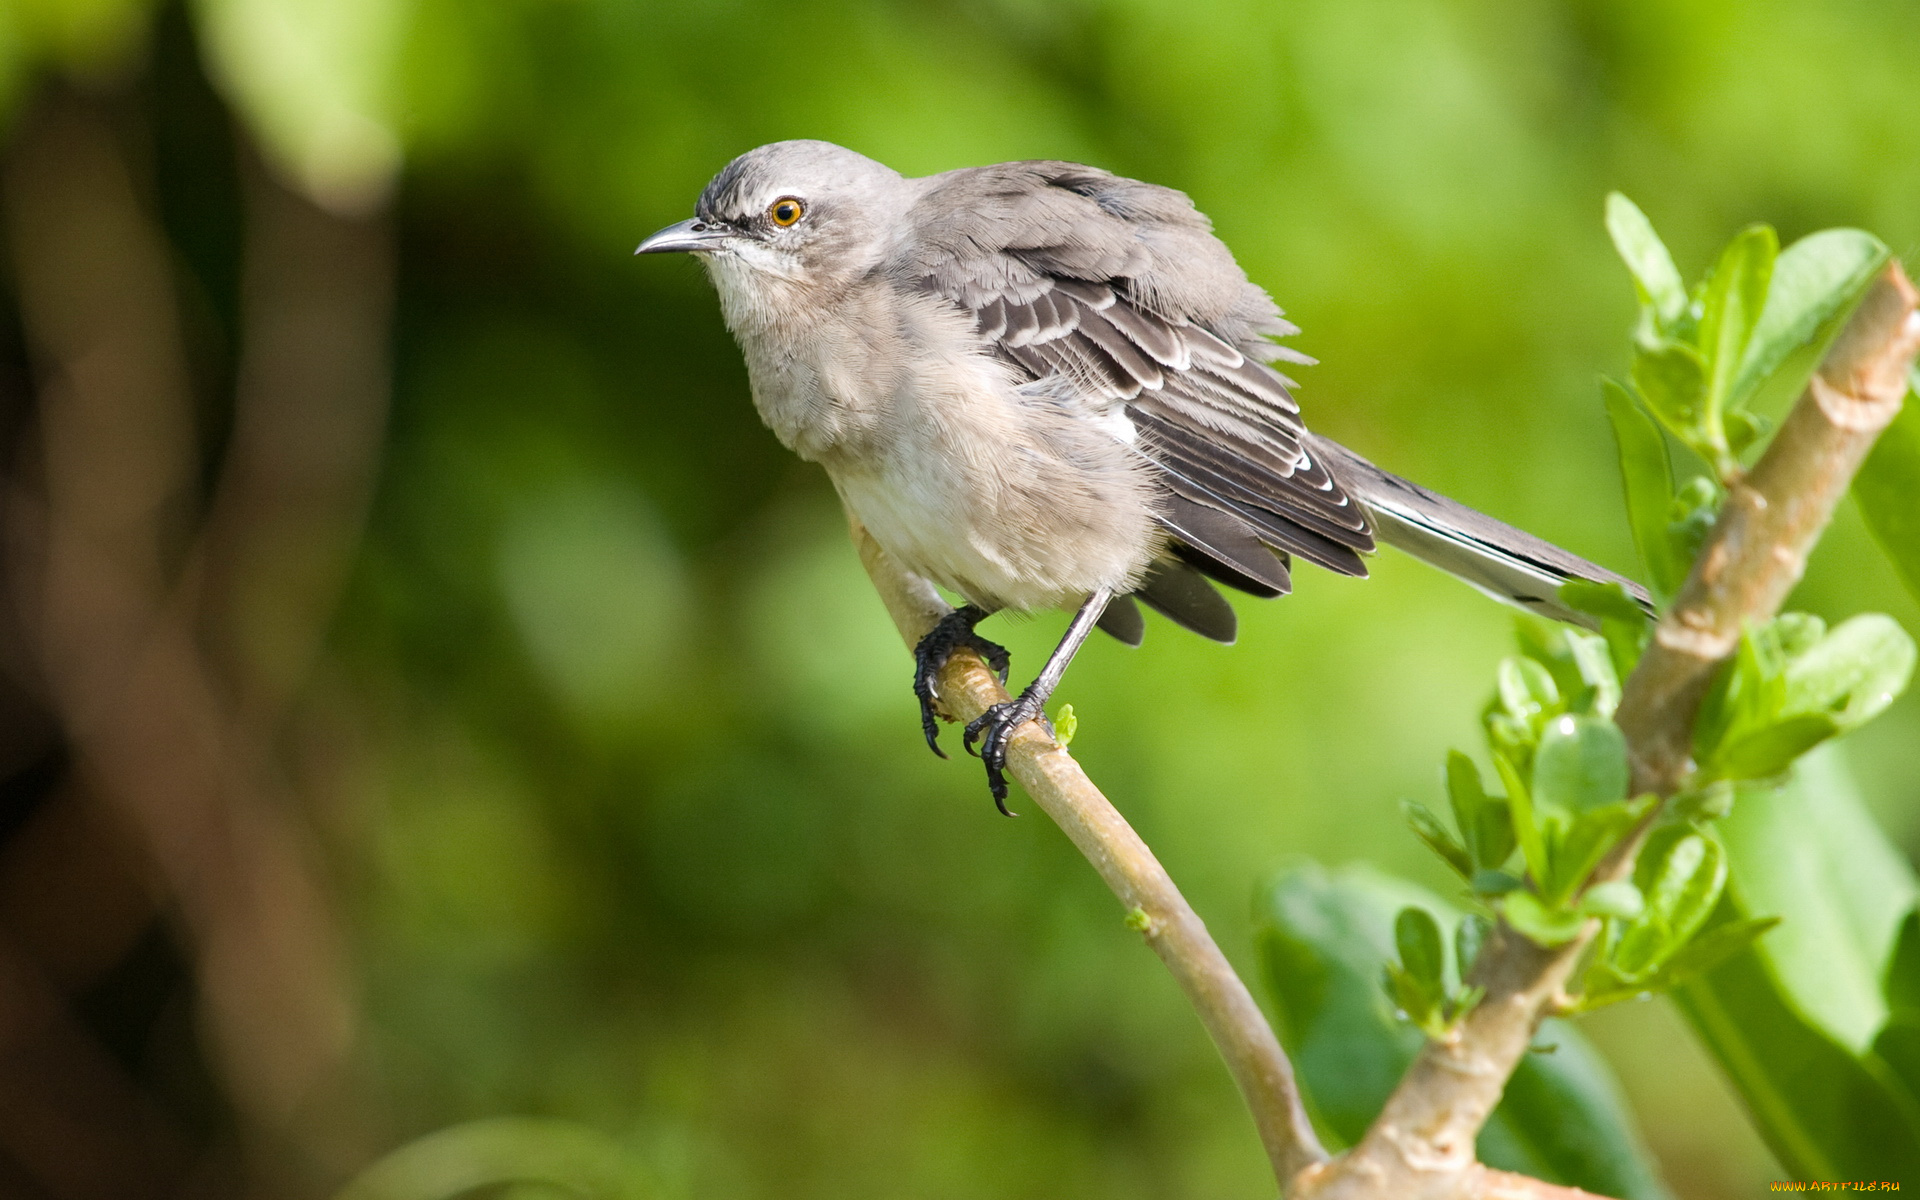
[[1155, 906], [1422, 1144], [1768, 526]]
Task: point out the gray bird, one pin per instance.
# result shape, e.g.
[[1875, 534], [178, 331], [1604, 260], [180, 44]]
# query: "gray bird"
[[1041, 385]]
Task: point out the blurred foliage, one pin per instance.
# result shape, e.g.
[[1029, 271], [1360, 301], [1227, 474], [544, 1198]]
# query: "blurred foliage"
[[621, 773], [1811, 1023], [1885, 488]]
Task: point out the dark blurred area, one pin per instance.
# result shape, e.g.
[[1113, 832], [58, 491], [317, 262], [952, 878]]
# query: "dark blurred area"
[[429, 694]]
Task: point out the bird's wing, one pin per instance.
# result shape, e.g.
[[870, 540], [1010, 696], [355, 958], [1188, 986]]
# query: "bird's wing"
[[1114, 295]]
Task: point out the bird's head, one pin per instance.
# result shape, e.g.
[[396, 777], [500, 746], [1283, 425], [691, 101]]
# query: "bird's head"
[[803, 212]]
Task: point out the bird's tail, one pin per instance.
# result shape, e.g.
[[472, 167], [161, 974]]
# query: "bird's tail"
[[1505, 563]]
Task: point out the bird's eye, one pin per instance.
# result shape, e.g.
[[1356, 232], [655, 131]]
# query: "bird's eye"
[[785, 211]]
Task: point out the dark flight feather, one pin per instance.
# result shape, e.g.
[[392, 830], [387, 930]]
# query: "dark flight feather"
[[1178, 592], [1122, 621]]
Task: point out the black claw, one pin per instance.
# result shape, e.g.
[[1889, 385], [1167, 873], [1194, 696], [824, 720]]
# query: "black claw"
[[994, 653], [993, 730], [954, 631]]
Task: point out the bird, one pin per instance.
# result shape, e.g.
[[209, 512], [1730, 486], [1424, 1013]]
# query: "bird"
[[1041, 385]]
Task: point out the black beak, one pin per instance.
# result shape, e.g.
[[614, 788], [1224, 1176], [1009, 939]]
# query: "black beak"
[[692, 235]]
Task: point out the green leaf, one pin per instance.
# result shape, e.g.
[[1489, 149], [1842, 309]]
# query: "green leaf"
[[1696, 506], [1710, 949], [1438, 838], [1654, 275], [1594, 660], [1527, 690], [1800, 1020], [1854, 672], [1419, 1006], [1744, 428], [1886, 486], [1671, 379], [502, 1150], [1579, 662], [1605, 985], [1526, 827], [1605, 600], [1586, 841], [1624, 625], [1816, 281], [1065, 725], [1733, 701], [1902, 989], [1323, 938], [1542, 925], [1772, 748], [1736, 294], [1581, 764], [1898, 1042], [1496, 883], [1486, 822], [1417, 936], [1792, 685], [1825, 1112], [1615, 898], [1648, 479], [1811, 853], [1418, 982], [1681, 873]]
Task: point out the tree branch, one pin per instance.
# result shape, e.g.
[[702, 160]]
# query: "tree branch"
[[1769, 525], [1154, 905], [1422, 1144]]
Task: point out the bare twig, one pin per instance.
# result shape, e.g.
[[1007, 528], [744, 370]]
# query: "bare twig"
[[1154, 905], [1422, 1144]]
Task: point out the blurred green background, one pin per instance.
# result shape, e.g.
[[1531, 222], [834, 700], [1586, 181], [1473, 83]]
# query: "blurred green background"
[[621, 812]]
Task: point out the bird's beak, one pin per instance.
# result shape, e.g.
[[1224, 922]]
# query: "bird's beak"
[[691, 235]]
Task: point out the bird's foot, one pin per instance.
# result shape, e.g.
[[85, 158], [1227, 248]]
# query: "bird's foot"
[[994, 729], [954, 631]]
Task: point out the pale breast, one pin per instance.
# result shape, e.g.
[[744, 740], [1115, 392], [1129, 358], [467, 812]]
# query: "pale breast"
[[1011, 500]]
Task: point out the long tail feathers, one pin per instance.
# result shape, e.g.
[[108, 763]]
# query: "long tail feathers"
[[1506, 563]]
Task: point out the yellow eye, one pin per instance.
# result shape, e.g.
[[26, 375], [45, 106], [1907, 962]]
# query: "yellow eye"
[[785, 211]]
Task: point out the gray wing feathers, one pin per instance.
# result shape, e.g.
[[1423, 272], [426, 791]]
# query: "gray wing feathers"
[[985, 233], [1114, 295], [1508, 564]]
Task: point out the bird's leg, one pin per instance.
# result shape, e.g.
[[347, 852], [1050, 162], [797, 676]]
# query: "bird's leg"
[[954, 631], [995, 727]]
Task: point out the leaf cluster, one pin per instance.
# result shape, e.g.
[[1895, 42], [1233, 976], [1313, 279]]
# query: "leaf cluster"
[[1817, 1026], [1793, 684], [1701, 356], [1562, 765], [1418, 982]]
